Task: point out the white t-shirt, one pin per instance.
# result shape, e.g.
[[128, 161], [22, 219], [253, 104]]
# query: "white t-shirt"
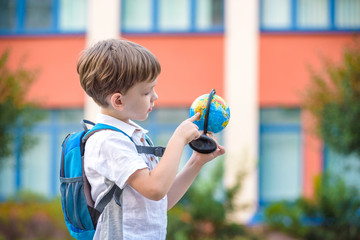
[[112, 156]]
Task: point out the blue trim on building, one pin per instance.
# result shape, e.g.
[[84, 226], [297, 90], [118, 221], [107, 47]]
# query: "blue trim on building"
[[261, 13], [55, 14], [279, 128], [214, 30], [155, 12], [308, 31], [39, 33], [54, 155], [193, 6], [331, 14], [293, 15], [18, 159], [20, 28], [325, 154]]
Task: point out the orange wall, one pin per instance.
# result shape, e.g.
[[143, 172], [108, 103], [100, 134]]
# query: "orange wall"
[[55, 58], [284, 61], [191, 66], [312, 155]]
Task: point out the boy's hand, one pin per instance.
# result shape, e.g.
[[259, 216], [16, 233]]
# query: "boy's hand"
[[204, 158], [187, 130]]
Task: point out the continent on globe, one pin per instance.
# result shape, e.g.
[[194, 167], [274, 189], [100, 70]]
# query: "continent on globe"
[[219, 113]]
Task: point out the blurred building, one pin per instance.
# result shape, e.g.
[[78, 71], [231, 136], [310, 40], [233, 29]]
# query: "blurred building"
[[256, 54]]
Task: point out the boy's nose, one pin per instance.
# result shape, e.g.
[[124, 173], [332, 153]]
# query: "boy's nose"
[[155, 96]]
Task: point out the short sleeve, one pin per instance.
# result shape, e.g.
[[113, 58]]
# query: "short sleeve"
[[118, 158]]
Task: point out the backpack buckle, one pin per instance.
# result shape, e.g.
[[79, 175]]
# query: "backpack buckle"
[[159, 151]]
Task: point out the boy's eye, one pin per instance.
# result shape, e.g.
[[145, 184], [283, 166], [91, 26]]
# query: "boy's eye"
[[149, 92]]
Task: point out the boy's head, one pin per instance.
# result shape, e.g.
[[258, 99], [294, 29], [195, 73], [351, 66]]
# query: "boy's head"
[[114, 66]]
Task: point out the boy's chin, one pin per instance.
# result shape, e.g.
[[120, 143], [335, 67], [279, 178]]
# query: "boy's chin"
[[141, 118]]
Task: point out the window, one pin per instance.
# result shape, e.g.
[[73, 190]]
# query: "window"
[[310, 15], [20, 16], [209, 14], [38, 14], [161, 16], [7, 14], [280, 155], [347, 13], [313, 14], [137, 16], [174, 15], [35, 166], [38, 169], [276, 14], [42, 16], [345, 167], [72, 15], [8, 178]]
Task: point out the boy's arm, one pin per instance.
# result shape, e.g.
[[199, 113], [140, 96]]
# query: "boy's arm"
[[188, 174], [155, 184]]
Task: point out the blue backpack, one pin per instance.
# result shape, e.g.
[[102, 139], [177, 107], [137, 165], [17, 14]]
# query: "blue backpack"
[[80, 214]]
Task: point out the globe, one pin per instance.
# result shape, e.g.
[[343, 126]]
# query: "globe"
[[219, 114]]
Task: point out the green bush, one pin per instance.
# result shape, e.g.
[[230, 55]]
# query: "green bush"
[[200, 216], [17, 114], [333, 99], [30, 216], [334, 213]]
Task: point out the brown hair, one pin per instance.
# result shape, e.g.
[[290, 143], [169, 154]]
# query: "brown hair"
[[115, 65]]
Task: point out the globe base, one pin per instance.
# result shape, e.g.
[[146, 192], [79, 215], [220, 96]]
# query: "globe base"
[[204, 144]]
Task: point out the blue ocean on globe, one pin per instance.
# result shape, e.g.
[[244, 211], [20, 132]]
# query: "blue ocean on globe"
[[219, 114]]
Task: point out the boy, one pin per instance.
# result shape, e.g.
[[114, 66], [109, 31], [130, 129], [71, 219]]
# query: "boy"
[[121, 76]]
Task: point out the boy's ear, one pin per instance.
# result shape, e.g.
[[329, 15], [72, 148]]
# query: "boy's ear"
[[116, 101]]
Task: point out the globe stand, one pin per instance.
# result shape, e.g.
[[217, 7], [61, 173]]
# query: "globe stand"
[[205, 144]]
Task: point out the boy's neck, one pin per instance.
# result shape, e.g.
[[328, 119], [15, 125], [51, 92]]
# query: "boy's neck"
[[115, 114]]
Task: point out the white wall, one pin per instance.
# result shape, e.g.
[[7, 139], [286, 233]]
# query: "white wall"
[[241, 135], [103, 22]]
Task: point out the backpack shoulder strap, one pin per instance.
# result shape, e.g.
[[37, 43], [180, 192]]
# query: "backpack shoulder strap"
[[94, 211], [83, 123], [157, 151], [107, 197], [100, 126]]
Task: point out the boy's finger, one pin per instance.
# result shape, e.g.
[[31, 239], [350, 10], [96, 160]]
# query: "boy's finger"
[[196, 116], [210, 134], [220, 151]]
